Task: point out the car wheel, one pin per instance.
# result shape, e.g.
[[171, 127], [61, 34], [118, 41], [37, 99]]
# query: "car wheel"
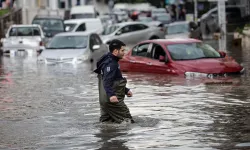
[[154, 37]]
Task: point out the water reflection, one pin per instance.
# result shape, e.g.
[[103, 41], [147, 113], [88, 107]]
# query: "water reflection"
[[109, 135]]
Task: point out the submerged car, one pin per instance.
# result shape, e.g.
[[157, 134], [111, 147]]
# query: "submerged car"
[[73, 47], [28, 38], [189, 57], [183, 29]]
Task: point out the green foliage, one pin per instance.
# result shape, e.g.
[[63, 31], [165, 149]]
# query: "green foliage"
[[3, 11], [240, 30]]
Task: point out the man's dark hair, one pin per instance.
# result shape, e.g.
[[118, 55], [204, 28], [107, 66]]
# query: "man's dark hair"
[[115, 44]]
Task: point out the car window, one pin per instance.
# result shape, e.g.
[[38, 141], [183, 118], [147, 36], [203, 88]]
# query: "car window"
[[50, 24], [69, 26], [68, 42], [191, 51], [92, 41], [126, 29], [157, 51], [97, 39], [141, 50], [178, 28], [110, 30], [24, 31], [80, 16], [81, 28], [138, 27]]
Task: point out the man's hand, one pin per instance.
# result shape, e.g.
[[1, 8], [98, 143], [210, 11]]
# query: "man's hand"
[[129, 94], [113, 99]]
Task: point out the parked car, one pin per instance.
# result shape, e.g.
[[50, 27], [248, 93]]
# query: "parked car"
[[83, 11], [132, 32], [145, 19], [81, 25], [73, 47], [189, 57], [183, 29], [51, 25], [236, 16], [158, 11], [164, 18], [23, 38]]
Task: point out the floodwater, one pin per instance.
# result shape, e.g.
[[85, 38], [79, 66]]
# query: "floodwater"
[[55, 107]]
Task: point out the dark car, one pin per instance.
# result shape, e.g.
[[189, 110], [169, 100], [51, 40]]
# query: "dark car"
[[51, 25]]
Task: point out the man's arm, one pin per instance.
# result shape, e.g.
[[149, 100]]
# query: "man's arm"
[[126, 90], [109, 74]]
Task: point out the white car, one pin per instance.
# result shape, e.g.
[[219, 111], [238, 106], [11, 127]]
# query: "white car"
[[73, 47], [28, 38], [81, 25], [132, 32]]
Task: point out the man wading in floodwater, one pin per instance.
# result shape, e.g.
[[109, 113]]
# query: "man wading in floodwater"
[[112, 86]]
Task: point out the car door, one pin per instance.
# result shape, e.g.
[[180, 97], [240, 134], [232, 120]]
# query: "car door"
[[139, 57], [95, 40], [140, 33], [126, 35], [154, 65]]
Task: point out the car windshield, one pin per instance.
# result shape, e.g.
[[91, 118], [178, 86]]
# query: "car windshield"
[[80, 16], [163, 17], [192, 51], [24, 31], [145, 19], [69, 26], [50, 24], [110, 30], [68, 42], [179, 28]]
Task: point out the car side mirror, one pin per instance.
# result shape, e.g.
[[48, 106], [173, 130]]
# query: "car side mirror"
[[118, 33], [96, 47], [222, 54], [6, 35]]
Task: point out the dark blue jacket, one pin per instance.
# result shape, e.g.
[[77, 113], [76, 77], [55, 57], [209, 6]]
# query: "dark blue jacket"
[[109, 68]]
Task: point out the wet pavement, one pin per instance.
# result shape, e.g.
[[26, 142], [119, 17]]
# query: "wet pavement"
[[49, 107]]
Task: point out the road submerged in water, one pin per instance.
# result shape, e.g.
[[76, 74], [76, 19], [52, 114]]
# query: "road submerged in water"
[[49, 107]]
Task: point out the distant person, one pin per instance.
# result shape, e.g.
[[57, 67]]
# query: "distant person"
[[182, 13], [112, 85]]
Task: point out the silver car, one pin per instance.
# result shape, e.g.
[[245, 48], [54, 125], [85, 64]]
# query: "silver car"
[[132, 32], [73, 47], [23, 38], [182, 29]]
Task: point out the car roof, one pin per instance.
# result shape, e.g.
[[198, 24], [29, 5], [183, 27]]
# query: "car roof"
[[81, 20], [25, 25], [47, 17], [173, 41], [129, 23], [86, 33]]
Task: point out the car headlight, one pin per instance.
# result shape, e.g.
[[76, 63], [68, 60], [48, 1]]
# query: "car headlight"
[[195, 74]]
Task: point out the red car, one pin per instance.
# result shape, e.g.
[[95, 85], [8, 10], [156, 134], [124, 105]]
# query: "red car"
[[189, 57]]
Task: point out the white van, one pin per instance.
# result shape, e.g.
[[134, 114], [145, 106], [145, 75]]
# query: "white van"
[[85, 11], [81, 25]]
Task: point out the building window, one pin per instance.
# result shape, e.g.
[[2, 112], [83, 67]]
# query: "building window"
[[78, 2]]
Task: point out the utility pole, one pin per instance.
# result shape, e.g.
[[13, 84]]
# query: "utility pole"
[[195, 11], [222, 24]]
